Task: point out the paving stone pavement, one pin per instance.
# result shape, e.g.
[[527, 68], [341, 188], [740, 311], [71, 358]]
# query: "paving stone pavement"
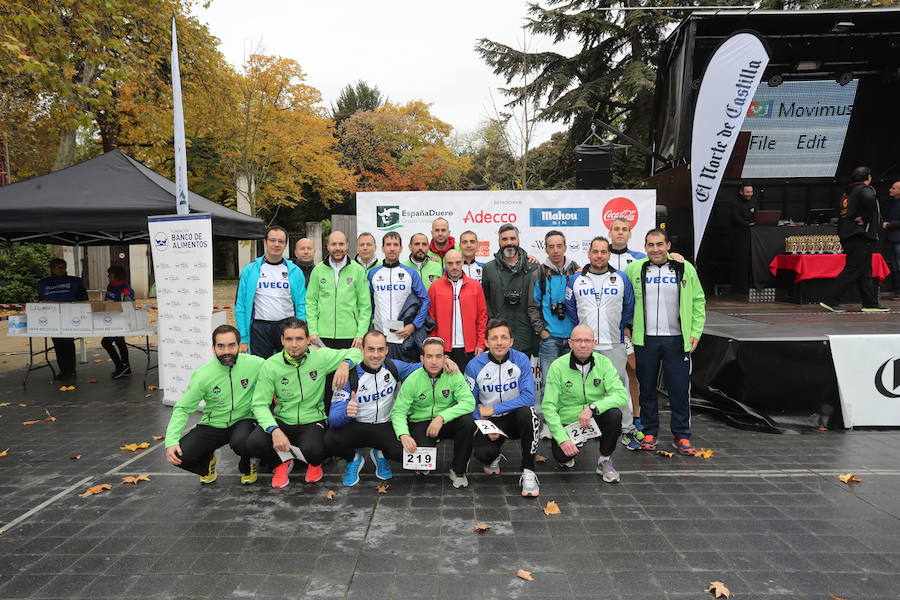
[[766, 515]]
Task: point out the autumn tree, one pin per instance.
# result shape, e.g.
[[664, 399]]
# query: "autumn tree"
[[283, 146], [359, 96]]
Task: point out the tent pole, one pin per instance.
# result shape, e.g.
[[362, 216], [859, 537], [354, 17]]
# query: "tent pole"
[[81, 345]]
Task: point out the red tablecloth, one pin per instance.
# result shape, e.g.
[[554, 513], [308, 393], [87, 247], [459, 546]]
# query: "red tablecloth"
[[823, 266]]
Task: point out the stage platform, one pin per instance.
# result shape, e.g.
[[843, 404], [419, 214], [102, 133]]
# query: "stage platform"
[[769, 366]]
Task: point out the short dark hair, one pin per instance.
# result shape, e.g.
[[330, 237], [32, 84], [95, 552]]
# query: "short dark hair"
[[118, 272], [744, 184], [372, 332], [434, 340], [57, 261], [599, 238], [657, 231], [553, 232], [507, 227], [413, 236], [860, 174], [390, 235], [468, 232], [494, 324], [294, 323], [277, 228], [223, 329], [365, 233]]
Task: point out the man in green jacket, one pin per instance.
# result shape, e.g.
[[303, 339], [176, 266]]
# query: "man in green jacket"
[[669, 314], [296, 378], [338, 305], [429, 269], [433, 404], [583, 389], [226, 385]]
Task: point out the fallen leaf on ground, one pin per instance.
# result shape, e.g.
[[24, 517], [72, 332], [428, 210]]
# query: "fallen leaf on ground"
[[383, 488], [98, 360], [704, 453], [666, 454], [75, 457], [829, 593], [32, 422], [52, 477], [135, 447], [552, 508], [4, 453], [49, 416], [539, 458], [4, 403], [848, 477], [718, 589], [22, 404], [330, 495], [92, 380], [135, 479], [159, 437], [152, 387], [95, 490], [148, 395], [481, 528], [523, 574]]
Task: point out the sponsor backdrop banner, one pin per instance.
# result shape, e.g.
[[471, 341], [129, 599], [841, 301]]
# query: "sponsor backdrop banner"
[[182, 263], [579, 214], [868, 374], [725, 95]]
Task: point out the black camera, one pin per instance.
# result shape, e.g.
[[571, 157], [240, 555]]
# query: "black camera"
[[559, 309], [512, 297]]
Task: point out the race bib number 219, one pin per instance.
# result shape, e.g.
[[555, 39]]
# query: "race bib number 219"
[[423, 459]]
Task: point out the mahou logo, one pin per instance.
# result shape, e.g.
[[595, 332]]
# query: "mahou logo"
[[620, 208]]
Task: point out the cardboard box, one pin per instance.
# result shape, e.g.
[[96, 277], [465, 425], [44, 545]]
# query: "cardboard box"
[[18, 325], [75, 318], [109, 323], [141, 318], [106, 306], [43, 318]]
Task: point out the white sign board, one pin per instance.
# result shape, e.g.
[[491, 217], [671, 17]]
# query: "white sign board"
[[579, 214], [182, 263], [868, 375]]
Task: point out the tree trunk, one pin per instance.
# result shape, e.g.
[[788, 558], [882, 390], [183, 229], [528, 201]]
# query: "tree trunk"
[[65, 152]]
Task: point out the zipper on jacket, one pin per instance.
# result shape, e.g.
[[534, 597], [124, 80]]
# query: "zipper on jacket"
[[231, 385], [433, 383], [377, 397], [299, 381]]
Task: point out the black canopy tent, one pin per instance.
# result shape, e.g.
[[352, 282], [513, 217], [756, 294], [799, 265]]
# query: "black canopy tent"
[[103, 201]]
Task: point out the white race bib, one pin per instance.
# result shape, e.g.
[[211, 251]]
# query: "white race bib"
[[487, 427], [423, 459], [579, 434], [293, 453]]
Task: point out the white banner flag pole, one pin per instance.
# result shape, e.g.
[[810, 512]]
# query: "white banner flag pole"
[[181, 179], [727, 89]]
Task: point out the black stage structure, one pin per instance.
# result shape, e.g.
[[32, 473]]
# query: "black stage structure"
[[812, 46]]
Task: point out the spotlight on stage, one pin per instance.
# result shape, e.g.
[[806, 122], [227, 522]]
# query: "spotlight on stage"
[[775, 80], [845, 78], [842, 27]]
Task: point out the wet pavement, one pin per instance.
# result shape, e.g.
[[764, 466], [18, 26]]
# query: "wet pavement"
[[766, 515]]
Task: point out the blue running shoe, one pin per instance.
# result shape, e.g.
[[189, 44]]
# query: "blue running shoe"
[[351, 473], [637, 424], [382, 466]]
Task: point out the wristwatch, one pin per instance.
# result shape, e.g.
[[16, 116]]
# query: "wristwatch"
[[593, 407]]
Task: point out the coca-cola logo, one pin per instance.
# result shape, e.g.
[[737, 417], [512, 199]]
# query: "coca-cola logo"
[[620, 208]]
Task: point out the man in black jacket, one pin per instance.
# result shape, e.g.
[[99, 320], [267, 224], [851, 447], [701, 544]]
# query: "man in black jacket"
[[743, 217], [892, 225], [858, 229]]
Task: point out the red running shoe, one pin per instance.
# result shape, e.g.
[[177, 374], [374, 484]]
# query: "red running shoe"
[[280, 474], [684, 446], [649, 442], [313, 473]]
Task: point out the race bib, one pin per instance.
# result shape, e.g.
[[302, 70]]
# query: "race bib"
[[423, 459], [579, 435], [488, 427]]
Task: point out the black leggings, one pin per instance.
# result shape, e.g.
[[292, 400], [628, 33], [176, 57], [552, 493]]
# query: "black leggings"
[[117, 350], [461, 429], [310, 438], [199, 443], [610, 424], [521, 424], [343, 441]]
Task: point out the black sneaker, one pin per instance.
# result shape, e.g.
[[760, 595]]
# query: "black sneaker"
[[875, 309], [121, 372]]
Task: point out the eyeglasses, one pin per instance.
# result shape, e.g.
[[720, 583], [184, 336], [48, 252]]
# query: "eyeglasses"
[[276, 241], [582, 341]]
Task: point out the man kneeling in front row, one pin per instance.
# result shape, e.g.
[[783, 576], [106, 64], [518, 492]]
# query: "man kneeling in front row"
[[226, 385], [433, 404], [583, 388]]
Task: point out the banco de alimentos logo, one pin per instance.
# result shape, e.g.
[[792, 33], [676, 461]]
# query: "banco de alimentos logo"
[[387, 217]]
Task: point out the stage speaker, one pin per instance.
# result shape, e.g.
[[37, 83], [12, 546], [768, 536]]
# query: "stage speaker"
[[593, 167]]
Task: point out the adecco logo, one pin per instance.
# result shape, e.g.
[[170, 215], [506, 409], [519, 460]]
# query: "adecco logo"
[[620, 208], [487, 217]]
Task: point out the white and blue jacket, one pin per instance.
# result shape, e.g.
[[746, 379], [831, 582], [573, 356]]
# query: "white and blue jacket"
[[473, 269], [391, 284], [620, 259], [243, 304], [506, 385], [376, 392], [604, 302]]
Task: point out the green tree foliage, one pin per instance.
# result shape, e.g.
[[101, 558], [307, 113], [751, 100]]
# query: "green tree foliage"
[[355, 97], [21, 266]]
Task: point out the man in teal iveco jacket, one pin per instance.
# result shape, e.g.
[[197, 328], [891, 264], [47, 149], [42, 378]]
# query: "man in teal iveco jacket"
[[271, 290]]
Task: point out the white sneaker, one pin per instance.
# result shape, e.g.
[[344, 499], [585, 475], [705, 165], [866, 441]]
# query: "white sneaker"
[[607, 469], [568, 464], [530, 485], [458, 481], [493, 468], [545, 432]]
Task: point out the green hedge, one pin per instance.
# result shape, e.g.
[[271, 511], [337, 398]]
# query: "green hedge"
[[21, 266]]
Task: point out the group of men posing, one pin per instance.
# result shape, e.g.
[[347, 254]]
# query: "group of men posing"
[[350, 355]]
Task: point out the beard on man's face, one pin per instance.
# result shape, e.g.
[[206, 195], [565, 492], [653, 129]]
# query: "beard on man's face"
[[227, 360], [510, 250]]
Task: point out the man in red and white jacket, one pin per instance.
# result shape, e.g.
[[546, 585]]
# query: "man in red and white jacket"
[[458, 310]]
